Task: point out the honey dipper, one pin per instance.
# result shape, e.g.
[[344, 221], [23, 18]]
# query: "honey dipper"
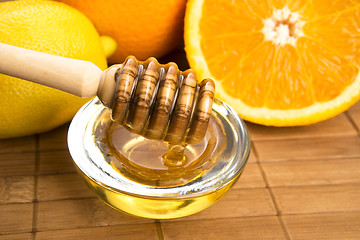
[[154, 100]]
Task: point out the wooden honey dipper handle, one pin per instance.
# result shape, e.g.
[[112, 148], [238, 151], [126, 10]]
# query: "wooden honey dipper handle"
[[77, 77], [156, 101]]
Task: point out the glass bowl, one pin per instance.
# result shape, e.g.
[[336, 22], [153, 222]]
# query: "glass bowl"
[[128, 173]]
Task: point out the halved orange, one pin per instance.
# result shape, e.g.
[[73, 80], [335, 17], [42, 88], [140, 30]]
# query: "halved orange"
[[278, 62]]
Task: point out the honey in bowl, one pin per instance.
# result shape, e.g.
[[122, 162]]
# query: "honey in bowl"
[[131, 174]]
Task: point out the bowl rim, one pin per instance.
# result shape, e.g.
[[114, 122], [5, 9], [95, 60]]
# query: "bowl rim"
[[75, 139]]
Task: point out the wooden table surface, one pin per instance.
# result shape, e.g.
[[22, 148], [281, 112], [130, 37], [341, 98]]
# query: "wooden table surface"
[[299, 183]]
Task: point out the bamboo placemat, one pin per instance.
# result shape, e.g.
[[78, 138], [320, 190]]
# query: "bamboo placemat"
[[299, 183]]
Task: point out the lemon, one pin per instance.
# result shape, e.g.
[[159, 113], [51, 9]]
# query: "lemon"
[[27, 108]]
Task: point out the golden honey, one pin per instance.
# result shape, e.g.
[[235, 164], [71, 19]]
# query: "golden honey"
[[153, 207], [139, 176]]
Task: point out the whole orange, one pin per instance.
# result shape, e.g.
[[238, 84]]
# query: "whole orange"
[[148, 28]]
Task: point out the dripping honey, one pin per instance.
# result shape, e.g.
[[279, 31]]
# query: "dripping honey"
[[159, 163]]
